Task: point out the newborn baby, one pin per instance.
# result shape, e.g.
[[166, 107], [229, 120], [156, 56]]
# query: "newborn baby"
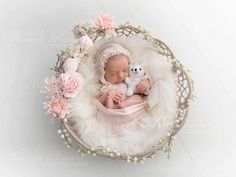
[[113, 61]]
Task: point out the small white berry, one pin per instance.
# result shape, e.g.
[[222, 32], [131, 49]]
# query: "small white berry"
[[65, 120], [177, 121]]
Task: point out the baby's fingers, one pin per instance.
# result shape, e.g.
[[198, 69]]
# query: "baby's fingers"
[[120, 95], [143, 89], [140, 88], [116, 99]]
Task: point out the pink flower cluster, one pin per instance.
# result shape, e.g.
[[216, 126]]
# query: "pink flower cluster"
[[66, 85], [106, 22], [52, 86], [58, 107], [74, 50], [81, 47]]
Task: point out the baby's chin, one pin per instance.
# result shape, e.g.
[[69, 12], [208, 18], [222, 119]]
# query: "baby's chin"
[[119, 82], [116, 81]]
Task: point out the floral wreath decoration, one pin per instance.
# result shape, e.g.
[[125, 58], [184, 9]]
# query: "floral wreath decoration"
[[67, 83]]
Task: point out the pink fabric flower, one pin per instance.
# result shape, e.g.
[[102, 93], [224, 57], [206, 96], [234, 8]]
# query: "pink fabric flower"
[[85, 43], [52, 86], [106, 22], [58, 107], [70, 65], [71, 83]]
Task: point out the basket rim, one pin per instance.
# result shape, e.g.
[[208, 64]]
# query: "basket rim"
[[164, 50]]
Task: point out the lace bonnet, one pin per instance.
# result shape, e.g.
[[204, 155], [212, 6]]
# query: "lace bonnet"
[[105, 52]]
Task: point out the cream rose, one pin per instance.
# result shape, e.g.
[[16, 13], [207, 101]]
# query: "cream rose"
[[70, 65], [85, 43]]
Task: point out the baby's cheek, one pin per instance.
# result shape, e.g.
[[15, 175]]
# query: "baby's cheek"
[[109, 78]]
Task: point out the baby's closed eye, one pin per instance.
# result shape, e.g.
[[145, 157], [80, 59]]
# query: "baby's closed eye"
[[125, 70]]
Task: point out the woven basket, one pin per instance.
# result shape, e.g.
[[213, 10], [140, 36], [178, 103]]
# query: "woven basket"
[[184, 94]]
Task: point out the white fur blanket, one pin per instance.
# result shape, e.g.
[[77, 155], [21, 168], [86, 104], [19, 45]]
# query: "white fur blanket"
[[153, 125]]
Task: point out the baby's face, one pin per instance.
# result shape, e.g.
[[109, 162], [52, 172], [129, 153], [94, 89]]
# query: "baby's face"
[[116, 69]]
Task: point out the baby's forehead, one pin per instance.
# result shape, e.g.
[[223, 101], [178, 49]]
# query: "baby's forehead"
[[116, 63], [118, 58]]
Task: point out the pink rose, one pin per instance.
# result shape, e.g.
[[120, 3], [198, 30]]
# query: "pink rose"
[[85, 43], [51, 86], [70, 65], [71, 83], [58, 107]]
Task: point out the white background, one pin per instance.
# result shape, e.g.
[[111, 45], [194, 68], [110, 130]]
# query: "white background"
[[202, 34]]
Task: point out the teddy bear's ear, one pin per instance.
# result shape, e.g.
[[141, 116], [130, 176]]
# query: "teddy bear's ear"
[[141, 64]]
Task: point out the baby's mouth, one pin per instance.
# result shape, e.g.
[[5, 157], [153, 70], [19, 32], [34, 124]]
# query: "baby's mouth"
[[119, 81]]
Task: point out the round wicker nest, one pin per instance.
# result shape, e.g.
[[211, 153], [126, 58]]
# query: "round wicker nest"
[[184, 94]]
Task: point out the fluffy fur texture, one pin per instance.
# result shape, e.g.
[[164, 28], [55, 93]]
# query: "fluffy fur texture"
[[161, 103]]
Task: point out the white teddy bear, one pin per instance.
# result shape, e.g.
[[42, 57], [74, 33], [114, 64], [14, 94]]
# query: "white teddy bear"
[[136, 74]]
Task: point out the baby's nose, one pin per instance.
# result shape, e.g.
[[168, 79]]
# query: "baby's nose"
[[121, 75]]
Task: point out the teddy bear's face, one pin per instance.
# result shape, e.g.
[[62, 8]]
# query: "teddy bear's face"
[[136, 71]]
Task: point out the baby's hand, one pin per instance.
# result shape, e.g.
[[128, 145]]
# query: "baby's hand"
[[116, 96], [143, 86], [127, 80]]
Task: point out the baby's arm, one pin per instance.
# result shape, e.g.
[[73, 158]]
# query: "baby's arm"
[[144, 86], [102, 98], [116, 96]]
